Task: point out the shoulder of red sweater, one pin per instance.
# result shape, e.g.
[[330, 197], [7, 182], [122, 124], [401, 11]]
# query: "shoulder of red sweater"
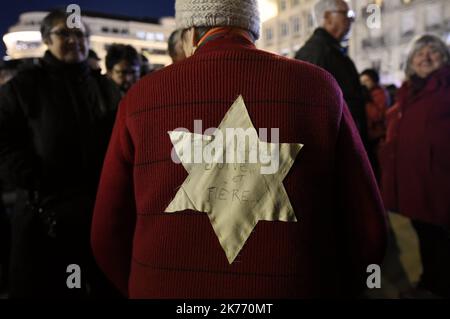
[[315, 75], [293, 71], [304, 68]]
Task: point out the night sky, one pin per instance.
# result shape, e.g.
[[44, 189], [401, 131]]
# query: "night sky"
[[9, 14]]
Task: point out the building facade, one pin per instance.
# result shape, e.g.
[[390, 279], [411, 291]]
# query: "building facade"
[[386, 48], [148, 36], [289, 29], [383, 47]]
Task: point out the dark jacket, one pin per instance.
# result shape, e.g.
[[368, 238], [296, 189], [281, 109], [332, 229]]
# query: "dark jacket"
[[416, 156], [55, 123], [325, 51]]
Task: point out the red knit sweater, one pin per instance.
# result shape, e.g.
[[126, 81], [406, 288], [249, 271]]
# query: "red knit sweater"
[[151, 254]]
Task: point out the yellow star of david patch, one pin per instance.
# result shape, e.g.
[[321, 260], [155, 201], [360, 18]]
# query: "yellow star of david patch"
[[235, 194]]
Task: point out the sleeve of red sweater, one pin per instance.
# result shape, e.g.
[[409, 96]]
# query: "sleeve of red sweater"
[[361, 213], [115, 210]]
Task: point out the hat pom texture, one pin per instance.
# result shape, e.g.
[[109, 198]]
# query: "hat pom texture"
[[218, 13]]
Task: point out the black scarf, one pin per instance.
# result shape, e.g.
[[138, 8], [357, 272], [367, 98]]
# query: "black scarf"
[[77, 71], [417, 84]]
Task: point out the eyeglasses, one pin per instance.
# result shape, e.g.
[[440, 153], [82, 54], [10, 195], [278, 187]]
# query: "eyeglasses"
[[124, 72], [65, 34], [350, 14]]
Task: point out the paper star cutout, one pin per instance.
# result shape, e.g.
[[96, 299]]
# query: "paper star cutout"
[[234, 196]]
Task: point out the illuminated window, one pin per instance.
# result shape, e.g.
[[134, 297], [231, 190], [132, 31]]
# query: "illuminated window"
[[310, 20], [269, 34], [408, 23], [141, 35], [284, 29], [433, 16], [295, 25]]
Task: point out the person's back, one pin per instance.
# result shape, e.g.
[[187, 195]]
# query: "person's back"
[[340, 224], [324, 49]]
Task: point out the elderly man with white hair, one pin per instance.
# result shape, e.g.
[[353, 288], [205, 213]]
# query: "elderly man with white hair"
[[334, 19]]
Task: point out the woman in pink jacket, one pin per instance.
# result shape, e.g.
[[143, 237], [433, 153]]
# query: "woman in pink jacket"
[[416, 158]]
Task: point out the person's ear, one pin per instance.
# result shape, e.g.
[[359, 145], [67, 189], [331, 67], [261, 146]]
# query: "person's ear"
[[189, 42]]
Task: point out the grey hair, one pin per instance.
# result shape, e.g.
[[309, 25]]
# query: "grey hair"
[[321, 7], [419, 43], [175, 37]]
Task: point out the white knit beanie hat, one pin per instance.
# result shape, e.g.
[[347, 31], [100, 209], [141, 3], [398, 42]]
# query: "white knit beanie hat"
[[218, 13]]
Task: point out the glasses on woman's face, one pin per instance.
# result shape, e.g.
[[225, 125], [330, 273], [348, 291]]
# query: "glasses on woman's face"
[[66, 34], [133, 71]]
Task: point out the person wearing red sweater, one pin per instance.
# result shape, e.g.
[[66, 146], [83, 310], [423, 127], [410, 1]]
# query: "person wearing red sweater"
[[324, 221], [377, 102], [416, 160]]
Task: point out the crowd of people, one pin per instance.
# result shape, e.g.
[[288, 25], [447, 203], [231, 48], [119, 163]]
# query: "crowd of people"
[[88, 159]]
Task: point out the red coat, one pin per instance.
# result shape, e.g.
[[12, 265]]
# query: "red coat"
[[416, 158], [341, 223], [375, 113]]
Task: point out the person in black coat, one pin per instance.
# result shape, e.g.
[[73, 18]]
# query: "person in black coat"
[[123, 66], [55, 123], [324, 49], [4, 244]]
